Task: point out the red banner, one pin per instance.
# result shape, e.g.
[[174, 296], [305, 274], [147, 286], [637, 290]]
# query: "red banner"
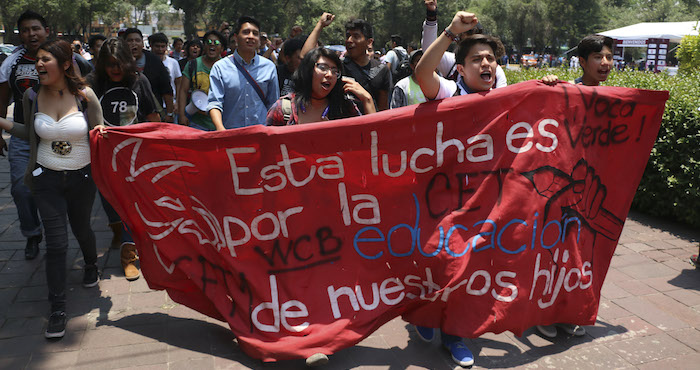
[[482, 213]]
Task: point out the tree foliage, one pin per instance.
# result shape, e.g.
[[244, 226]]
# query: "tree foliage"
[[523, 25], [689, 53]]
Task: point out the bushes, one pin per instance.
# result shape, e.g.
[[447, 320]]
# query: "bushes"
[[689, 53], [670, 186]]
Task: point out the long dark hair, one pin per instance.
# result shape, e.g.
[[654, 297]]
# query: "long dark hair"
[[187, 45], [339, 107], [63, 53], [115, 48]]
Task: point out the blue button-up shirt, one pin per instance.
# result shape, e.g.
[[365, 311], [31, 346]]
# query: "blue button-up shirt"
[[230, 92]]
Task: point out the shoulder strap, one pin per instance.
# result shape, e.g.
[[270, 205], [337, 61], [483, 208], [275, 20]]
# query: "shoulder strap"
[[83, 106], [286, 109], [402, 55], [83, 100], [192, 68], [33, 92], [250, 79], [20, 51], [357, 71]]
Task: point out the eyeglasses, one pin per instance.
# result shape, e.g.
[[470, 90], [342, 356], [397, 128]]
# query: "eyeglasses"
[[325, 68], [213, 42]]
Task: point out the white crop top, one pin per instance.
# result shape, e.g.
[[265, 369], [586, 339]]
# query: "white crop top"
[[63, 144]]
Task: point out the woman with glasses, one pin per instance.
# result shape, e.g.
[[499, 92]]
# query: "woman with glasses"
[[196, 80], [126, 98], [320, 93], [58, 115]]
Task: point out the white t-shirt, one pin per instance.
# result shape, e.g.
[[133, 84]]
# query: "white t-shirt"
[[447, 88], [174, 69]]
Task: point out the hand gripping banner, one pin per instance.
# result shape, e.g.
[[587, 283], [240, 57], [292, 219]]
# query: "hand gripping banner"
[[482, 213]]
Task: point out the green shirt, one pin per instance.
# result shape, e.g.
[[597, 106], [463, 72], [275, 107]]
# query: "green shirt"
[[200, 81]]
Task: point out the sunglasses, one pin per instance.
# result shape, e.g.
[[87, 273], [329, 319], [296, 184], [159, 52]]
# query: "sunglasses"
[[325, 68], [213, 42]]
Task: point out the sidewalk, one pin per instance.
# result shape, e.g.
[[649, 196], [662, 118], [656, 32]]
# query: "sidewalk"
[[648, 319]]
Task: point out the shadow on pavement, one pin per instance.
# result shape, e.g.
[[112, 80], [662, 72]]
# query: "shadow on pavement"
[[687, 279], [193, 335], [674, 228]]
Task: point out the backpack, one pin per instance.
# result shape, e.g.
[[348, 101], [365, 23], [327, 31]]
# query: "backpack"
[[403, 66]]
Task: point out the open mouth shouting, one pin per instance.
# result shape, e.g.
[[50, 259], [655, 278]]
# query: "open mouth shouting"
[[486, 76]]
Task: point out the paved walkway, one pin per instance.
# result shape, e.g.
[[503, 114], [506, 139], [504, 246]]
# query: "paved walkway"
[[648, 319]]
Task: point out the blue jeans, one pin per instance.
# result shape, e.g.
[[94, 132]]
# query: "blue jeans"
[[18, 156], [59, 194]]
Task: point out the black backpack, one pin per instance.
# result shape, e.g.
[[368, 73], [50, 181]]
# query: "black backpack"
[[403, 67]]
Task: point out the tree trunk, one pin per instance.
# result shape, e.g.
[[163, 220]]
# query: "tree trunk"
[[188, 23], [9, 33]]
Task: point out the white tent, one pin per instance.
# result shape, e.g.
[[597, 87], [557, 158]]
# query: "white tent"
[[674, 31]]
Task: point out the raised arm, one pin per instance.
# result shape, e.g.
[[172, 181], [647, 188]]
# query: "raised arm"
[[430, 25], [311, 42], [425, 74]]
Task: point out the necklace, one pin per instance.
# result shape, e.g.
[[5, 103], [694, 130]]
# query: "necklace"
[[60, 91]]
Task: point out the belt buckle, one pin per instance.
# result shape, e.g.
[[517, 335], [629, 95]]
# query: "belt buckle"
[[61, 147]]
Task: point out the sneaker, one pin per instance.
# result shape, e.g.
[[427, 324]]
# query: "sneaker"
[[90, 276], [461, 355], [425, 334], [57, 325], [31, 250], [694, 261], [573, 329], [549, 331], [317, 359]]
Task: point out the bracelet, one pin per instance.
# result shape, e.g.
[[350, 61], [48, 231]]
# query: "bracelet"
[[451, 35], [431, 15]]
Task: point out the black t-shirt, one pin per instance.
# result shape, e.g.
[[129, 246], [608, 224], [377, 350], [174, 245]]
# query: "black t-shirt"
[[373, 77], [183, 62], [121, 104], [22, 78], [158, 75], [284, 77]]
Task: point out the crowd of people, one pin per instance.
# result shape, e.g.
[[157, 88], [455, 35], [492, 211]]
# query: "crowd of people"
[[230, 78]]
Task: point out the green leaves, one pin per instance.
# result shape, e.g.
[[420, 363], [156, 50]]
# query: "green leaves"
[[688, 53]]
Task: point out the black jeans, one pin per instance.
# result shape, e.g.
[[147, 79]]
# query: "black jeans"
[[59, 194]]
